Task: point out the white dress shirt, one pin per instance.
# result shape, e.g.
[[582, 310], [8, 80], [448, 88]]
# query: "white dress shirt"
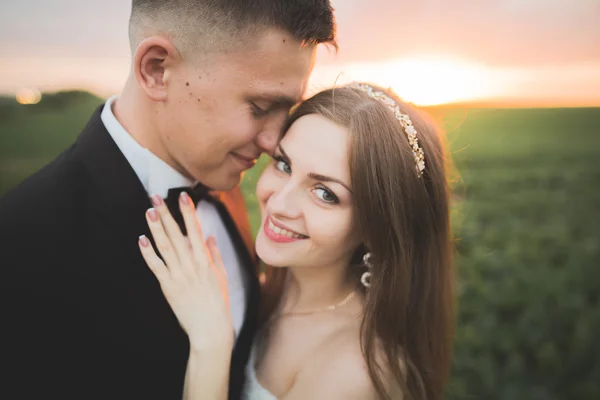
[[158, 177]]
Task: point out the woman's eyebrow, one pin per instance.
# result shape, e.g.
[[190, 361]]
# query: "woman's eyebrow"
[[325, 178], [314, 175]]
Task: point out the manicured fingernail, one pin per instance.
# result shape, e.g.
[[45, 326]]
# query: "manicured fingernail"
[[184, 198], [156, 200], [212, 241], [153, 214], [144, 241]]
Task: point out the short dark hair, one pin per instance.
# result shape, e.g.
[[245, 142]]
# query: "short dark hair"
[[225, 23]]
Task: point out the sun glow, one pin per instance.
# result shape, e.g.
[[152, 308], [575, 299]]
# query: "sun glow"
[[28, 96], [423, 81]]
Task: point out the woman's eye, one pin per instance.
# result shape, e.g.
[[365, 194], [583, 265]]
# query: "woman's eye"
[[283, 166], [326, 195]]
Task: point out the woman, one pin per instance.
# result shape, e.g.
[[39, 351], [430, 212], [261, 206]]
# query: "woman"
[[356, 235]]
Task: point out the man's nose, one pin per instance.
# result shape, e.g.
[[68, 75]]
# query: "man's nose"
[[269, 137], [267, 140]]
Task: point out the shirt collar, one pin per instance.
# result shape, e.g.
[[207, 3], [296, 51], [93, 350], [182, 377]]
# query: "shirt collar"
[[156, 176]]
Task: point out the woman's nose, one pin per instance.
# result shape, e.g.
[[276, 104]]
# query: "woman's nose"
[[285, 203]]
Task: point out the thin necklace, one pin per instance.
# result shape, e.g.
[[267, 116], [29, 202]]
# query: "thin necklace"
[[322, 309]]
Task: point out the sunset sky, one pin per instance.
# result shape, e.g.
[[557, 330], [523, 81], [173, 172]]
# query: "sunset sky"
[[521, 52]]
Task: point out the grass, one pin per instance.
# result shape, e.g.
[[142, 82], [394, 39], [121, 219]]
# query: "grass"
[[31, 136], [526, 226]]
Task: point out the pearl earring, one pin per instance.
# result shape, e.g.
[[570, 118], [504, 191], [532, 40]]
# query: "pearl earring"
[[365, 279]]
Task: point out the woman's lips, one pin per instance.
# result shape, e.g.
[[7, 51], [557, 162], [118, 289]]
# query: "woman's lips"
[[278, 234]]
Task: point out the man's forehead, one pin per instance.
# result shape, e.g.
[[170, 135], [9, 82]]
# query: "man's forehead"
[[277, 61], [279, 74]]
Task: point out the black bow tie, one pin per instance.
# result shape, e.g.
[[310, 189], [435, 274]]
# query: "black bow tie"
[[197, 193]]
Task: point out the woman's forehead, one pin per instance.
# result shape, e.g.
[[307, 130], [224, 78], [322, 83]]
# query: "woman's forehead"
[[318, 144]]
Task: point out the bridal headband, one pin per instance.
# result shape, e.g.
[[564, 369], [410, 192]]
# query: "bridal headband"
[[407, 125]]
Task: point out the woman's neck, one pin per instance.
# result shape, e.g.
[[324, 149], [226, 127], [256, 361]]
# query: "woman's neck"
[[314, 288]]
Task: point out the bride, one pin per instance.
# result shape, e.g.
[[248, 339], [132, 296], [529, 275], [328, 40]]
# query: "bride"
[[357, 300]]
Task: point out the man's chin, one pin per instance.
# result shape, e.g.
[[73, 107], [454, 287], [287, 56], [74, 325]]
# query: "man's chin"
[[224, 183]]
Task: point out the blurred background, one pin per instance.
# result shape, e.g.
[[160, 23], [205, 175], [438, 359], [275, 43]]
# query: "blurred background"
[[515, 84]]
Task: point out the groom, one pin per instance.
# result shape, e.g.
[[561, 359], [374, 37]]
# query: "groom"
[[211, 83]]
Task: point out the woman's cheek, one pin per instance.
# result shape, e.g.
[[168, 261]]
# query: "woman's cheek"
[[333, 227], [320, 223]]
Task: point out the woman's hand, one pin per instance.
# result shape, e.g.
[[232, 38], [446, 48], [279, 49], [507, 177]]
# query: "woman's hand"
[[192, 276]]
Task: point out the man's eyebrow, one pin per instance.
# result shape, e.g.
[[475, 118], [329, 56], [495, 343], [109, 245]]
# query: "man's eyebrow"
[[277, 100], [313, 175]]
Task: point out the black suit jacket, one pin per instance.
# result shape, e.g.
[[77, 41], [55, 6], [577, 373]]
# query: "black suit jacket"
[[83, 316]]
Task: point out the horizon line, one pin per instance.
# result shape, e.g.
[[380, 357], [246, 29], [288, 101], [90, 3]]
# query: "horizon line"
[[475, 103]]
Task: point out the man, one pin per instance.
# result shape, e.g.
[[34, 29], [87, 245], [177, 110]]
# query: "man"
[[211, 83]]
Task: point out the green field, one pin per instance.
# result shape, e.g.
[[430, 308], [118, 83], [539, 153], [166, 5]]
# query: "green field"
[[526, 217]]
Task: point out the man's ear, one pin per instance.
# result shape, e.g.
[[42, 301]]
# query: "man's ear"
[[154, 58]]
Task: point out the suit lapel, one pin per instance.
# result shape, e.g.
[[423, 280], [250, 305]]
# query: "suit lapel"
[[119, 200], [122, 196], [232, 209], [120, 193], [117, 203]]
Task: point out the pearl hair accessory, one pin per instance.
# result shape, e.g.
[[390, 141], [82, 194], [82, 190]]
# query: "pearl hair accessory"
[[405, 121]]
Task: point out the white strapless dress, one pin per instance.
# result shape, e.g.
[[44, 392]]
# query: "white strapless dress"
[[253, 390]]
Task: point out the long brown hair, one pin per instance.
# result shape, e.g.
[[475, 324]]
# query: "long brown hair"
[[407, 327]]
